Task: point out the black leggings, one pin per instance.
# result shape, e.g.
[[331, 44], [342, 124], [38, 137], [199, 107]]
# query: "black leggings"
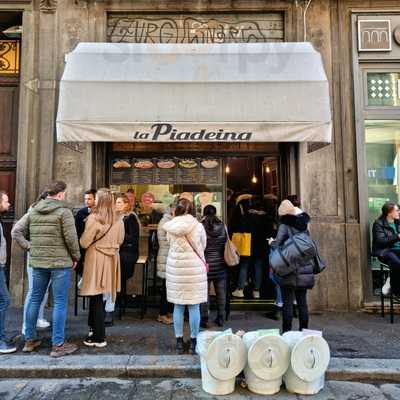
[[96, 317], [165, 306], [220, 291], [288, 295]]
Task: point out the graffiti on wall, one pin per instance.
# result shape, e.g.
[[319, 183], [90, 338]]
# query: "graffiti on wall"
[[127, 28]]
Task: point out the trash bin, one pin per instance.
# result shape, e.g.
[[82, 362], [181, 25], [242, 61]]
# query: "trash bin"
[[222, 356], [309, 361], [267, 360]]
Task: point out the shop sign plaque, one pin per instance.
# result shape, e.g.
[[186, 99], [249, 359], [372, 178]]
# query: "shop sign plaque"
[[374, 35], [167, 132]]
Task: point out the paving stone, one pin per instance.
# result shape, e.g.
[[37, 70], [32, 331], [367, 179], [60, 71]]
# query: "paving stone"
[[392, 392], [355, 391], [10, 389], [325, 394]]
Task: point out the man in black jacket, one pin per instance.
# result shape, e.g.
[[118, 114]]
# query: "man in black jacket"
[[80, 220], [386, 243]]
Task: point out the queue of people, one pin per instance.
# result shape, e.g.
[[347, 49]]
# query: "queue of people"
[[102, 244]]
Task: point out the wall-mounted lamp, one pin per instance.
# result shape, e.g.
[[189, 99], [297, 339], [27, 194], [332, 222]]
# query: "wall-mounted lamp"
[[268, 169], [254, 179], [227, 169]]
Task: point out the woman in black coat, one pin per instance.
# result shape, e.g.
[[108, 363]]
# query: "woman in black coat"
[[129, 250], [386, 244], [296, 283], [214, 255]]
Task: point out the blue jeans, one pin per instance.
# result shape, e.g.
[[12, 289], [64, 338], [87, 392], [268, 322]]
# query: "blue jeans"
[[60, 284], [4, 301], [194, 319], [277, 281], [259, 265], [28, 299]]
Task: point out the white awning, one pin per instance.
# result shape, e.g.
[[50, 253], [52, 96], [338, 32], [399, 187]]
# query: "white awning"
[[257, 92]]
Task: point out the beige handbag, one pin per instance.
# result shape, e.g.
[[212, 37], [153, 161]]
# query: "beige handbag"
[[231, 255]]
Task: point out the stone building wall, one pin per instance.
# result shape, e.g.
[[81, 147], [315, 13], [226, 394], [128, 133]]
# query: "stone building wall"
[[327, 177]]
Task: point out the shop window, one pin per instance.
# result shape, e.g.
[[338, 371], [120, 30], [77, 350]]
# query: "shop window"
[[383, 89], [383, 172]]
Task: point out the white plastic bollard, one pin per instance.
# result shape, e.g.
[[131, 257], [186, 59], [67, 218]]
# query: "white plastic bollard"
[[267, 360], [309, 361], [222, 358]]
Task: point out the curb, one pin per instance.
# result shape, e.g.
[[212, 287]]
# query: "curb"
[[125, 366]]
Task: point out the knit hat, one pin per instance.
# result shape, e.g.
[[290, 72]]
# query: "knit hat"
[[286, 208], [298, 210]]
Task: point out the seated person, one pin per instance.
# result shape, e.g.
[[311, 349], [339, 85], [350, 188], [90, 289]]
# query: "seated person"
[[386, 244]]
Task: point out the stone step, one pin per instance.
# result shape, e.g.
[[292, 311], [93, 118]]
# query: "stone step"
[[131, 366]]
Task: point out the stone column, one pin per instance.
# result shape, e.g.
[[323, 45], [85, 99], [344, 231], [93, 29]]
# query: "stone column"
[[73, 161]]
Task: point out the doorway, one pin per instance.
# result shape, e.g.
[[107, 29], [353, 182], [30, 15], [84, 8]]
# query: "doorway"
[[10, 45], [253, 193]]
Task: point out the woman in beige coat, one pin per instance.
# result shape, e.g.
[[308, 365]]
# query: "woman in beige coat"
[[102, 238]]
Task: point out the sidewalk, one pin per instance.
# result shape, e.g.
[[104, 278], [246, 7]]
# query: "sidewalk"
[[350, 335], [364, 347]]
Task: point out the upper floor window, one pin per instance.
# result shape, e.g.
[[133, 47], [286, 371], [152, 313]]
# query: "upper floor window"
[[9, 57], [383, 89]]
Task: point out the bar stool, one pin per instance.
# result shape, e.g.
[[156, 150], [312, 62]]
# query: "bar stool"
[[385, 272], [143, 262]]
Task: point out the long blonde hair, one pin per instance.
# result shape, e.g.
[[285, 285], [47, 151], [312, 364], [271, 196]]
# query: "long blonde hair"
[[104, 210]]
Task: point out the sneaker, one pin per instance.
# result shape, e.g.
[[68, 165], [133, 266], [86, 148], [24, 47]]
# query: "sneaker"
[[219, 320], [31, 345], [13, 339], [279, 304], [91, 343], [6, 348], [42, 323], [386, 287], [63, 350], [165, 319], [90, 334], [238, 293], [256, 294]]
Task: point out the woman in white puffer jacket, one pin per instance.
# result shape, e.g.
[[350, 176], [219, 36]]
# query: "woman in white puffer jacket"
[[186, 271], [166, 308]]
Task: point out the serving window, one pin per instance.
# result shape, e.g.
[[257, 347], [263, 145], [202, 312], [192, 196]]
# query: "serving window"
[[158, 181]]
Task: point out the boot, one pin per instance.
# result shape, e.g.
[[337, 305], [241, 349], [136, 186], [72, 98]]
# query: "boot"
[[109, 319], [179, 346], [219, 320], [193, 343], [204, 324]]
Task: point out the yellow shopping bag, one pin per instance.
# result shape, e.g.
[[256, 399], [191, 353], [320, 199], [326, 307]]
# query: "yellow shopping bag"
[[242, 241]]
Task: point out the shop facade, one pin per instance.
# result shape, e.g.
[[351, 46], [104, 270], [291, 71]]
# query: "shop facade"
[[328, 178]]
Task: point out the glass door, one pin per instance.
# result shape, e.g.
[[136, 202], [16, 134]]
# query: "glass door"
[[382, 138]]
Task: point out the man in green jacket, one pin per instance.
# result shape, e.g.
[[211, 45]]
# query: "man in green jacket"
[[54, 253]]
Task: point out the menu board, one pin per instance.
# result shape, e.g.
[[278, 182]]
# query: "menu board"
[[162, 171]]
